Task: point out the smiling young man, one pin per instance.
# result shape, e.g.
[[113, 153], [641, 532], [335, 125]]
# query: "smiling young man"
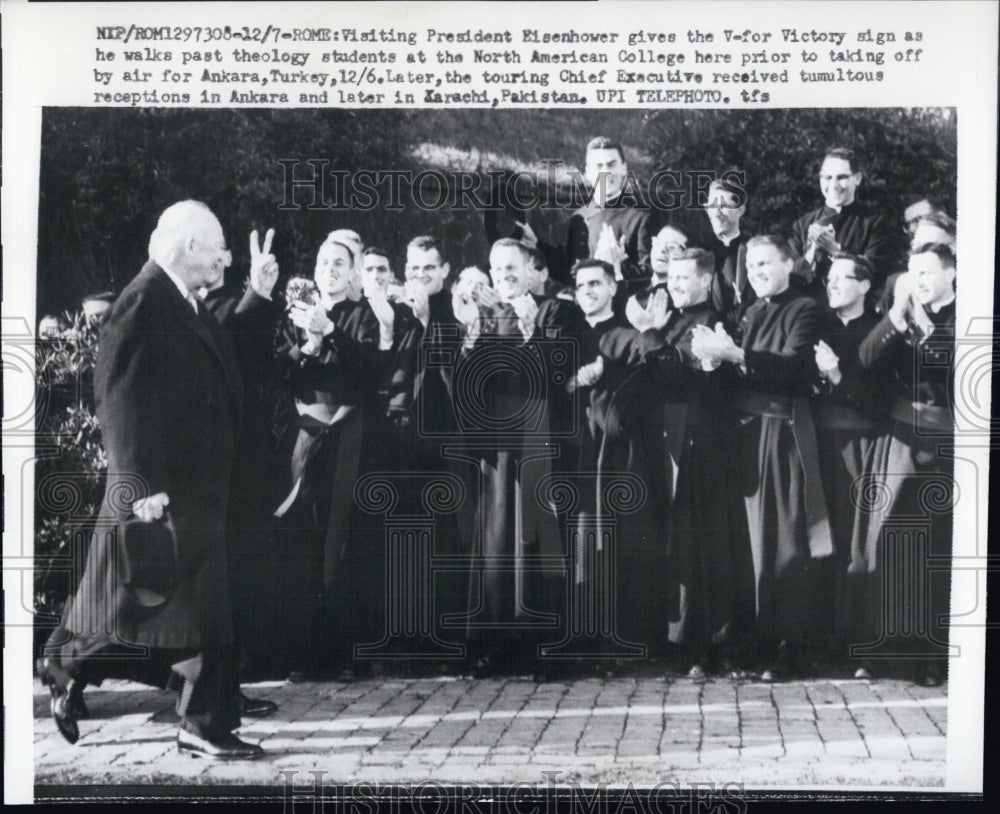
[[331, 353], [707, 587], [849, 406], [842, 224], [777, 458], [613, 226], [509, 393], [913, 350]]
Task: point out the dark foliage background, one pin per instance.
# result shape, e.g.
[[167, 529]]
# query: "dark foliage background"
[[107, 173]]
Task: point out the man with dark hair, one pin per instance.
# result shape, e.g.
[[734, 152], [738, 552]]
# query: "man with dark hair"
[[914, 346], [542, 285], [331, 351], [614, 226], [843, 223], [708, 584], [732, 293], [498, 395], [668, 243], [849, 406], [777, 458], [155, 601]]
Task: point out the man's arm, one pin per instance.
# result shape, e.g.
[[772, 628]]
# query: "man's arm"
[[129, 387]]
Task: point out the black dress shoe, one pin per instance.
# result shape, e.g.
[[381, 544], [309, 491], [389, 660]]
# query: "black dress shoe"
[[75, 702], [483, 667], [228, 748], [60, 685], [256, 707]]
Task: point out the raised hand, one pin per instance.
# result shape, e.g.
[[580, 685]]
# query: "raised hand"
[[526, 309], [528, 236], [382, 309], [415, 295], [827, 362], [657, 309], [263, 266], [640, 318]]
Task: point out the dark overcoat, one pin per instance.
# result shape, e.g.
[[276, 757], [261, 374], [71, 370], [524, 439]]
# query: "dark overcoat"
[[168, 392]]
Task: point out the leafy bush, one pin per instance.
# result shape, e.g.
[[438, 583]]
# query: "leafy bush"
[[71, 463]]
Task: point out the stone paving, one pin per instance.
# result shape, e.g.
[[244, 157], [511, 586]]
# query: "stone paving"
[[639, 730]]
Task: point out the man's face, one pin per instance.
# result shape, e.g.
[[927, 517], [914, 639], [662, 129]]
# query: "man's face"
[[334, 270], [838, 182], [667, 243], [935, 281], [913, 213], [767, 270], [594, 290], [424, 266], [209, 259], [722, 211], [843, 288], [686, 285], [537, 279], [376, 275], [606, 171], [510, 271], [473, 277], [927, 232]]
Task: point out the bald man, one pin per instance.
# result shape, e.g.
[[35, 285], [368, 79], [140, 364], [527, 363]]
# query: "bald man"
[[168, 391]]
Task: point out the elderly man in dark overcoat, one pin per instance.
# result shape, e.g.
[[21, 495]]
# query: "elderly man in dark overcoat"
[[167, 387]]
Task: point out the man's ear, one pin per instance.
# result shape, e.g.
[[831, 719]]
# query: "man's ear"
[[865, 286]]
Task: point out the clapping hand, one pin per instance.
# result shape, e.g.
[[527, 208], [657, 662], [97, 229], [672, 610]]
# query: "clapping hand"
[[263, 266], [827, 362], [654, 315], [526, 309], [382, 309], [312, 319], [588, 375], [611, 250], [415, 295], [713, 345]]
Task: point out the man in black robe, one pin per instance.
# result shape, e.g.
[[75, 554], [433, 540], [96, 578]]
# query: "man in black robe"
[[777, 457], [710, 574], [842, 224], [732, 293], [914, 344], [332, 351], [613, 226], [507, 387], [849, 406]]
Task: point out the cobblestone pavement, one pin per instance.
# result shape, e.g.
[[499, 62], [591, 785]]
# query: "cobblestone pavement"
[[500, 731]]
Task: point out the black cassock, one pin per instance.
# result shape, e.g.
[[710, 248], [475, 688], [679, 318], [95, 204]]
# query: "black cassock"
[[610, 598], [330, 587], [849, 417], [910, 501], [509, 400], [778, 462], [709, 573]]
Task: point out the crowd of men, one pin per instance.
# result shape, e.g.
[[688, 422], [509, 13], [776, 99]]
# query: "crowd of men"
[[618, 449]]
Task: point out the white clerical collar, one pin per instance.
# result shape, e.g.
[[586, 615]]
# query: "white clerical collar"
[[726, 240], [597, 319], [936, 307], [185, 292]]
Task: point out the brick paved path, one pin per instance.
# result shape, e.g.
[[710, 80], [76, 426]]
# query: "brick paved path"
[[500, 731]]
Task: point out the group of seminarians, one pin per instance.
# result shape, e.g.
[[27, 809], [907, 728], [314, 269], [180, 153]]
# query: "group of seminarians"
[[615, 449]]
